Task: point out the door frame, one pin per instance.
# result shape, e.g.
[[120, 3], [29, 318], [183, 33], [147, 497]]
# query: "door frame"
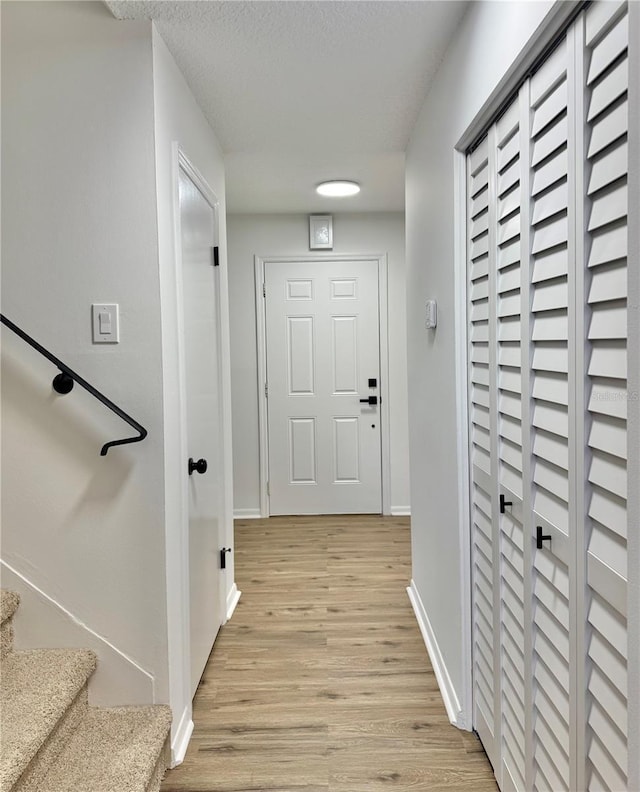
[[260, 265], [177, 556]]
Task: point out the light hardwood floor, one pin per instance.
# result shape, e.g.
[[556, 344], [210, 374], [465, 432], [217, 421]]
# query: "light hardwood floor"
[[321, 682]]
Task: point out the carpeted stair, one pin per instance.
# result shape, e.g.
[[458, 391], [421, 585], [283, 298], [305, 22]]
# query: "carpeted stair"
[[52, 741]]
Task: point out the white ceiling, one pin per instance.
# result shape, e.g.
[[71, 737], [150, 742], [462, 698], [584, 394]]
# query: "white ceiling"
[[299, 91]]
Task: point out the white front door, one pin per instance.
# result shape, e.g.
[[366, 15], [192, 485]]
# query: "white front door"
[[323, 360], [201, 340]]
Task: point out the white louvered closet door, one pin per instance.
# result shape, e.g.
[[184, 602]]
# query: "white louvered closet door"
[[552, 434], [481, 401], [506, 143], [547, 279], [605, 80]]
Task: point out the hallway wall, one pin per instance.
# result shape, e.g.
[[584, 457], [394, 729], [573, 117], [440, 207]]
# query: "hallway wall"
[[79, 226], [471, 70], [92, 107], [288, 235]]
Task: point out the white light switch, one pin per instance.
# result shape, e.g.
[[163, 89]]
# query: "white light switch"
[[105, 323]]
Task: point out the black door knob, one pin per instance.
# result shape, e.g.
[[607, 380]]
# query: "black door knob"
[[369, 400], [540, 537], [200, 466]]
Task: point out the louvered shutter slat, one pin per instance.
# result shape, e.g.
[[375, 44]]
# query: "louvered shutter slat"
[[600, 18], [509, 204], [610, 511], [608, 169], [509, 253], [608, 208], [608, 244], [550, 140], [608, 320], [551, 203], [548, 266], [607, 50], [608, 128], [608, 282], [551, 172], [608, 90]]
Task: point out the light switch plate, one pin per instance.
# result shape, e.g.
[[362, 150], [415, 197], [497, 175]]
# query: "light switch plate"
[[105, 323]]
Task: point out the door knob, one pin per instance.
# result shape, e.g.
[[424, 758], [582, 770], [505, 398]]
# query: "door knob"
[[200, 466], [540, 537], [369, 400]]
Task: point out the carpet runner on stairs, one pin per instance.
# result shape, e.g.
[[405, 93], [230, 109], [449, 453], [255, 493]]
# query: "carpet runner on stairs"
[[52, 741]]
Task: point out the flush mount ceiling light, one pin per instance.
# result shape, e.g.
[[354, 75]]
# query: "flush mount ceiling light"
[[338, 189]]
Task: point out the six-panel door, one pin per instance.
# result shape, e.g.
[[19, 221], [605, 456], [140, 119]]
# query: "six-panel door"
[[322, 338]]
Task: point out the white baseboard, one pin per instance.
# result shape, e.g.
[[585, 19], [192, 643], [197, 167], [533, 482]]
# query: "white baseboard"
[[247, 514], [180, 738], [232, 600], [447, 691], [401, 511], [42, 623]]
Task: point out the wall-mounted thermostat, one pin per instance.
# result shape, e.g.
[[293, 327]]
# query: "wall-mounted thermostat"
[[431, 314]]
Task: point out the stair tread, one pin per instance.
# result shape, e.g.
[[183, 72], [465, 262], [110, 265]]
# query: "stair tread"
[[9, 601], [37, 687], [113, 750]]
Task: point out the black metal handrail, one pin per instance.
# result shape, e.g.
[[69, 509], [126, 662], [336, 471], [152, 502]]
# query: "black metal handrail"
[[63, 383]]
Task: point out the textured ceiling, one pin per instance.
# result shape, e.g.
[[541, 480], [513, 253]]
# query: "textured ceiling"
[[299, 91]]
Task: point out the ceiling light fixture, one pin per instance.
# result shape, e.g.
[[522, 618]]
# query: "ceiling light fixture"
[[338, 189]]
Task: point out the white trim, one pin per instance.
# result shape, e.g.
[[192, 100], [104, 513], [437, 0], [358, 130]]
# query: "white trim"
[[233, 597], [177, 550], [180, 738], [400, 511], [201, 183], [462, 410], [547, 31], [261, 341], [447, 690], [385, 414], [247, 514]]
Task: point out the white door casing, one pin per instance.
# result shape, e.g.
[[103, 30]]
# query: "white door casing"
[[325, 321], [198, 233]]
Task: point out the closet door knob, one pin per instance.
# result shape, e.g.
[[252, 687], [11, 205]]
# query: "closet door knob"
[[540, 537]]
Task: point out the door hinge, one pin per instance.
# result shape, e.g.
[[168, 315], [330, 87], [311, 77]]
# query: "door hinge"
[[264, 290], [223, 557], [268, 488], [266, 390], [216, 256]]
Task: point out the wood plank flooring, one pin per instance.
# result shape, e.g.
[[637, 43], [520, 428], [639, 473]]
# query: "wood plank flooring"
[[321, 682]]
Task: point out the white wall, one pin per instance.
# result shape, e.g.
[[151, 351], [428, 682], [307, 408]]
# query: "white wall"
[[488, 42], [79, 226], [288, 235], [178, 119]]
